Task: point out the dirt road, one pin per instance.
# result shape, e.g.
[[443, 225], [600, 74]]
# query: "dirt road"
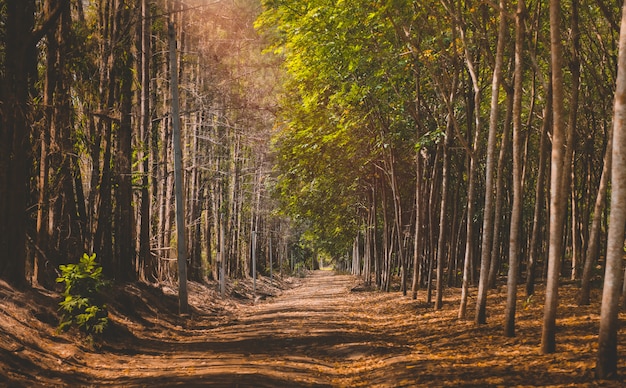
[[319, 333]]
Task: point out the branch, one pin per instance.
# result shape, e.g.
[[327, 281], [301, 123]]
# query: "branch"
[[41, 30]]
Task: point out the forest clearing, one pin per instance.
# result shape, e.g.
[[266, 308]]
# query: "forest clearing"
[[322, 330]]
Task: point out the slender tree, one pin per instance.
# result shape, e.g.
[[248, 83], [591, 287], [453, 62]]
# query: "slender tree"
[[516, 213], [487, 239], [147, 262], [557, 199], [593, 242], [606, 363]]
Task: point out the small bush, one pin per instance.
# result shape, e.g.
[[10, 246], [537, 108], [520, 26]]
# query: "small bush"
[[82, 305]]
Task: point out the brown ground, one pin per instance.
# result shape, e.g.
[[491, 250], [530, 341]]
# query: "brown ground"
[[317, 332]]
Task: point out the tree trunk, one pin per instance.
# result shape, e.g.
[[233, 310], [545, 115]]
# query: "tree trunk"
[[485, 257], [516, 213], [557, 198], [568, 168], [606, 363], [593, 247], [147, 261], [183, 305], [444, 229], [538, 225], [497, 249], [124, 230], [103, 234], [417, 241], [18, 79]]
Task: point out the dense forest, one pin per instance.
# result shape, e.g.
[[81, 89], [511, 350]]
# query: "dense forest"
[[88, 115], [422, 145]]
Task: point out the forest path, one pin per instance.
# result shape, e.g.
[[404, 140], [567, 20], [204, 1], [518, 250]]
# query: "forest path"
[[317, 334]]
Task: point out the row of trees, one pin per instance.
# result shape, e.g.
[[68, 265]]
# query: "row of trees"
[[456, 143], [86, 154], [414, 140]]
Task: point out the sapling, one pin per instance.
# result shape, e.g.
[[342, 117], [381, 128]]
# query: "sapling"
[[82, 305]]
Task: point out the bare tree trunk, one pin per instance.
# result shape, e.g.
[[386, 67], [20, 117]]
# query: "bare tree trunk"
[[208, 235], [147, 261], [516, 213], [17, 82], [124, 230], [432, 215], [606, 363], [557, 202], [499, 211], [417, 247], [183, 305], [568, 168], [41, 263], [469, 240], [485, 257], [375, 247], [103, 235], [444, 230], [593, 247], [535, 239]]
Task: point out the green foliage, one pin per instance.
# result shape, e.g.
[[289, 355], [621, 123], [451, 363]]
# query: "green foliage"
[[82, 305], [347, 85], [528, 302]]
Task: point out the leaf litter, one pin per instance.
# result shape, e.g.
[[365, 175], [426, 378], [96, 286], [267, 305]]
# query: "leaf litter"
[[324, 330]]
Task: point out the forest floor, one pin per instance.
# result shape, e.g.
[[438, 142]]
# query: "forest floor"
[[322, 330]]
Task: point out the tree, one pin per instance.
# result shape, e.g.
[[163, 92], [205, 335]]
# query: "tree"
[[487, 239], [147, 263], [557, 196], [124, 231], [16, 91], [606, 363], [516, 213], [60, 216]]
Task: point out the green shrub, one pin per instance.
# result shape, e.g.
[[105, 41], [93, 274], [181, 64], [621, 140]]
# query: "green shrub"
[[82, 305]]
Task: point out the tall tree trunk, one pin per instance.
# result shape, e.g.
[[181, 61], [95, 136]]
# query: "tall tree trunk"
[[375, 247], [42, 263], [370, 235], [606, 363], [497, 249], [417, 239], [516, 213], [18, 79], [432, 226], [103, 235], [593, 247], [538, 225], [485, 257], [148, 265], [557, 199], [124, 229], [469, 239], [183, 305], [444, 228], [568, 168]]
